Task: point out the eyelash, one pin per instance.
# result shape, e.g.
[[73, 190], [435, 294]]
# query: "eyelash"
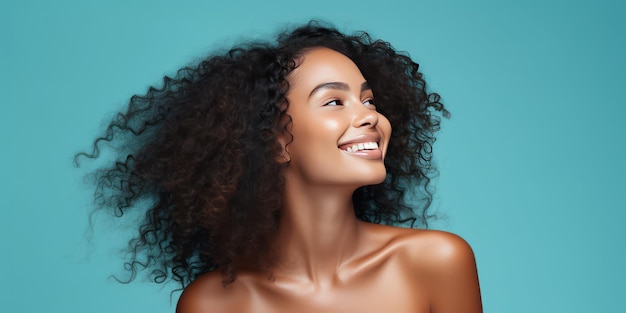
[[332, 101], [338, 102]]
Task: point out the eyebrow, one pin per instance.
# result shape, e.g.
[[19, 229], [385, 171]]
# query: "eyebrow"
[[337, 86]]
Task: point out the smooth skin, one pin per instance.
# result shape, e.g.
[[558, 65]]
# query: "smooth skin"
[[329, 260]]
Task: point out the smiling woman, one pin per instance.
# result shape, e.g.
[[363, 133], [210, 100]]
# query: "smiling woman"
[[273, 175], [332, 110]]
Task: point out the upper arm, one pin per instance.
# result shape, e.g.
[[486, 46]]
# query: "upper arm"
[[453, 278]]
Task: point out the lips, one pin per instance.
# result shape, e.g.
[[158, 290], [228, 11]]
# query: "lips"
[[361, 142], [355, 147], [365, 146]]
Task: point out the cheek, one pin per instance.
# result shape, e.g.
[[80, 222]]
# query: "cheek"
[[385, 127], [330, 125], [314, 140], [317, 129]]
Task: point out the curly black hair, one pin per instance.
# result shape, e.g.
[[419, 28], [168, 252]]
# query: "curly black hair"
[[202, 150]]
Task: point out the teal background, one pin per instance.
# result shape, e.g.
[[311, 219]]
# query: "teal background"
[[532, 160]]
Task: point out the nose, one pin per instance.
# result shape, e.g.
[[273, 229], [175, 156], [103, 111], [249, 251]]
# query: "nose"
[[364, 117]]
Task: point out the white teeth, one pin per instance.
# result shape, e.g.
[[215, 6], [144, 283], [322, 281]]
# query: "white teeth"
[[363, 146]]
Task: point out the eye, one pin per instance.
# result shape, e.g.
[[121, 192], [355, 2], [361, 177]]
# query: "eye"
[[333, 103], [369, 103]]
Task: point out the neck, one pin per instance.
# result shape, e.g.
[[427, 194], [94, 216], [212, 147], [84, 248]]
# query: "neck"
[[318, 232]]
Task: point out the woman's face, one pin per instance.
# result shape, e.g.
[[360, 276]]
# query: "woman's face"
[[338, 136]]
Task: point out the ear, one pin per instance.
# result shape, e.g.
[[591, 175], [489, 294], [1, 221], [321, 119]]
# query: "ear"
[[284, 136], [284, 139]]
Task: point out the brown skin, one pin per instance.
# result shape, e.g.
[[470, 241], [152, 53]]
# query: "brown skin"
[[329, 261]]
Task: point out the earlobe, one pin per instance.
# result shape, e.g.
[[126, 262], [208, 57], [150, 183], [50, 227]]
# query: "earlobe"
[[284, 139], [284, 157]]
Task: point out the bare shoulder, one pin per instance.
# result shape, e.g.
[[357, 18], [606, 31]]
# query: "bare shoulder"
[[440, 253], [425, 245], [444, 263], [206, 294], [432, 252], [439, 248]]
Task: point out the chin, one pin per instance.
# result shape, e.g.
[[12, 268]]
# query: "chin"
[[376, 178], [380, 180]]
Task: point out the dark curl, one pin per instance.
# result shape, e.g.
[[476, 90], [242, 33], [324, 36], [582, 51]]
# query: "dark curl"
[[199, 154]]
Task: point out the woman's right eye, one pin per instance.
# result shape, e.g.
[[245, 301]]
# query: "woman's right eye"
[[333, 103]]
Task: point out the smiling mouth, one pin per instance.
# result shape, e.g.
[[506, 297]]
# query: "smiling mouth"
[[356, 147]]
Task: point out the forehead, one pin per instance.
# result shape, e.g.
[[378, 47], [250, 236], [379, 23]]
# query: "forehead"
[[322, 65]]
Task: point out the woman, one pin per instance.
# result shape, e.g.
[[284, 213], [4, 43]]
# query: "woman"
[[269, 172]]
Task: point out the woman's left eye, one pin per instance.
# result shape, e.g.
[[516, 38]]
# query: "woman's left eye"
[[369, 102]]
